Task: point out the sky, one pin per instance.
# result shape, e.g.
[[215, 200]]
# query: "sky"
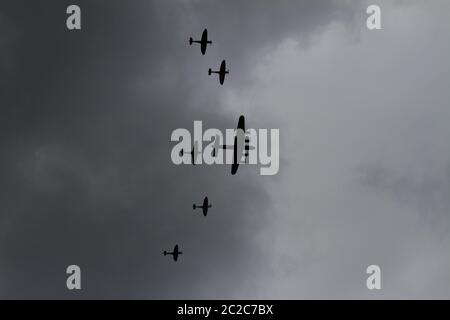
[[86, 176]]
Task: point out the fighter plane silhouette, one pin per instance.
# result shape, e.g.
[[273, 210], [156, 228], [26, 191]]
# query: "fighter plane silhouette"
[[222, 72], [174, 253], [194, 153], [203, 42], [206, 205]]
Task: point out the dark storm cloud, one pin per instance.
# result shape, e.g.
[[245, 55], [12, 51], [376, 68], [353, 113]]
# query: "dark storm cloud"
[[86, 176]]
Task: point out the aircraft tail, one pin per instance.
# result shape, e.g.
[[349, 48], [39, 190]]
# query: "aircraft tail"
[[165, 252], [210, 42], [209, 71], [190, 41], [194, 206]]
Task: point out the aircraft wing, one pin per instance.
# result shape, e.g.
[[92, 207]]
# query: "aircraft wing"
[[238, 149], [234, 168], [241, 123]]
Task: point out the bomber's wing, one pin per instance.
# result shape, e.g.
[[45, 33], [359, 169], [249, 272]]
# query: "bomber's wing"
[[234, 168], [241, 123]]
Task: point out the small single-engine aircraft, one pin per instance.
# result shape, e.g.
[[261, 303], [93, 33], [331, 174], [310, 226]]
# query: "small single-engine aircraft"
[[174, 253], [222, 72], [193, 153], [203, 42], [239, 147], [206, 205]]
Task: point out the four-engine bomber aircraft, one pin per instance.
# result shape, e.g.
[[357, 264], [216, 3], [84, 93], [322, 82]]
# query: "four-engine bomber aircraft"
[[222, 72], [174, 253], [240, 147], [206, 205], [203, 42]]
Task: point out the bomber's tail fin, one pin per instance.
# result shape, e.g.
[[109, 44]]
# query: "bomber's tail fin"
[[209, 71], [165, 252], [194, 206], [190, 41]]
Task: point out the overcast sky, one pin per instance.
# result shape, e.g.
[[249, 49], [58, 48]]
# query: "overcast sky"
[[86, 176]]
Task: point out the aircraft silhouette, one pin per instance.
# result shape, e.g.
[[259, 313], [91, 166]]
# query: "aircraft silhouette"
[[193, 152], [174, 253], [238, 147], [222, 72], [203, 42], [204, 207]]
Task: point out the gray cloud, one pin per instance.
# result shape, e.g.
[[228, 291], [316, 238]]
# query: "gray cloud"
[[86, 173], [354, 102]]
